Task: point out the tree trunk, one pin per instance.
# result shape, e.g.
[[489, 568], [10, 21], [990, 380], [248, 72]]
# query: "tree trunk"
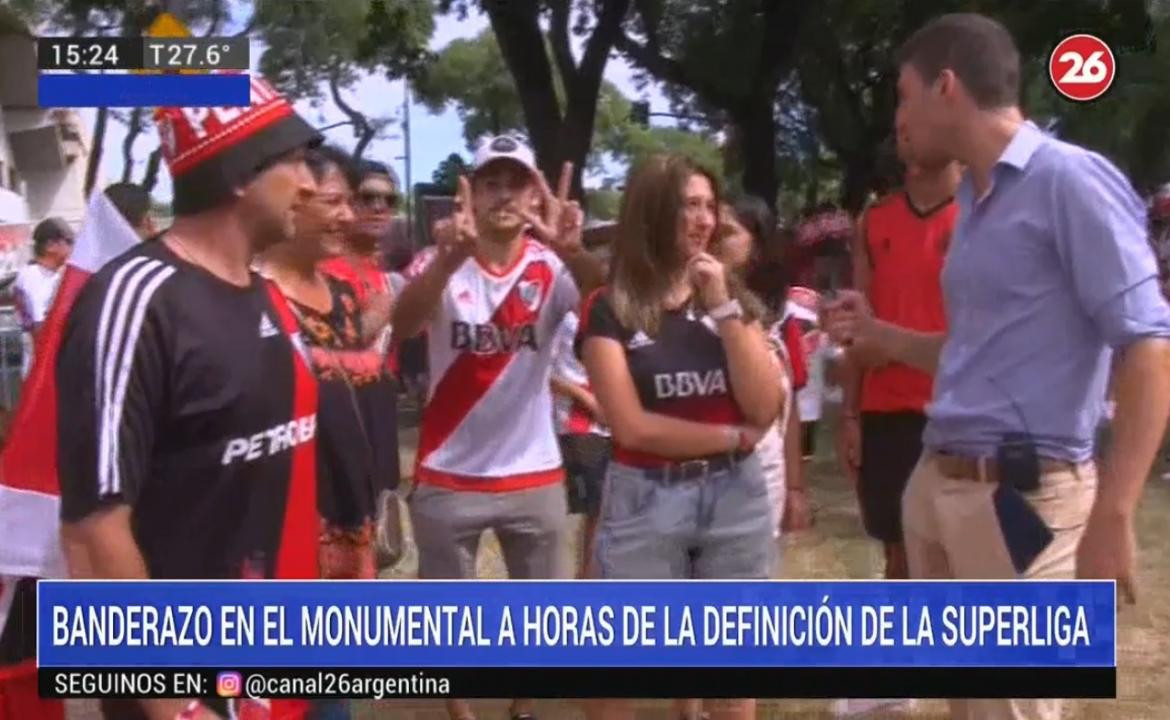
[[362, 127], [517, 30], [574, 140], [150, 178], [95, 151], [856, 183], [812, 189], [366, 137], [556, 137], [732, 151], [756, 121]]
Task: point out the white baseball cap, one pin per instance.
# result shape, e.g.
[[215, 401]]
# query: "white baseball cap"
[[503, 147]]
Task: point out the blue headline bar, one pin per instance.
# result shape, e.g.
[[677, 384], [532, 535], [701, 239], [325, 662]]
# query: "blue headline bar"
[[576, 624], [58, 90]]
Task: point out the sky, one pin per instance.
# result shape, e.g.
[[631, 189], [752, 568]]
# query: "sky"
[[433, 137]]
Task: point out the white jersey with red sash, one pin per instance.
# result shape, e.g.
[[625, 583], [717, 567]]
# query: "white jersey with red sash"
[[488, 424]]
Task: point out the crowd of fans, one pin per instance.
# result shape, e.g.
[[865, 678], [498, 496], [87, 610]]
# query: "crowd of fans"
[[234, 380]]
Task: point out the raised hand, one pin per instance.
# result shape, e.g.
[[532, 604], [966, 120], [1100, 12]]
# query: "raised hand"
[[709, 277], [559, 222], [848, 319], [456, 238]]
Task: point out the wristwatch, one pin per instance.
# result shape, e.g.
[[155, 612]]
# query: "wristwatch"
[[726, 311]]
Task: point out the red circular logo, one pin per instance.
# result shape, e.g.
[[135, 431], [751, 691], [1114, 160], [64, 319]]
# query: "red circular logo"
[[1082, 67]]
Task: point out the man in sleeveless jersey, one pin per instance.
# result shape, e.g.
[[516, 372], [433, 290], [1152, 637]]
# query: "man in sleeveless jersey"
[[491, 298], [898, 254], [188, 416]]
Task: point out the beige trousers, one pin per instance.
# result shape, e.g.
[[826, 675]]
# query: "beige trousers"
[[952, 532]]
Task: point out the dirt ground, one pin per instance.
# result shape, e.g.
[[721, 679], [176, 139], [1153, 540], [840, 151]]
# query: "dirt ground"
[[836, 548]]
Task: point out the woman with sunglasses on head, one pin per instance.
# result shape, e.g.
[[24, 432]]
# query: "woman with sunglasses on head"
[[374, 200], [361, 263], [750, 245], [683, 371]]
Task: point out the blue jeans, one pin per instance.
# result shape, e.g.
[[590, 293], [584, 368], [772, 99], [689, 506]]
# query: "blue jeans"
[[718, 526], [329, 710]]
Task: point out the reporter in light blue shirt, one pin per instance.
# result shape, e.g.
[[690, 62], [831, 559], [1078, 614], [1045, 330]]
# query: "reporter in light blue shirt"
[[1049, 274]]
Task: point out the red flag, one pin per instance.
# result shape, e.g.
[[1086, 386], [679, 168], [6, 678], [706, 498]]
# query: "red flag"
[[29, 490]]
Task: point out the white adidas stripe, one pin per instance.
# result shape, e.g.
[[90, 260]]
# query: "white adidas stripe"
[[100, 395], [115, 350]]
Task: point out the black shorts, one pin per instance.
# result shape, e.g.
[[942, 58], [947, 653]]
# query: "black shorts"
[[808, 438], [891, 443], [412, 356], [586, 459]]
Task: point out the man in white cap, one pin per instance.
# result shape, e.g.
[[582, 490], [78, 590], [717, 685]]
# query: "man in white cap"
[[496, 289], [187, 426]]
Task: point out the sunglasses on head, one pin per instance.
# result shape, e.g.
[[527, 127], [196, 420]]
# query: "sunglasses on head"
[[372, 199]]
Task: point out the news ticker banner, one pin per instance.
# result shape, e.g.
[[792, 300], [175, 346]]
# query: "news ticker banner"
[[580, 639]]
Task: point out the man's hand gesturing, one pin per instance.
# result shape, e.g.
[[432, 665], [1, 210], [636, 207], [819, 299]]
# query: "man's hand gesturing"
[[559, 224], [456, 237]]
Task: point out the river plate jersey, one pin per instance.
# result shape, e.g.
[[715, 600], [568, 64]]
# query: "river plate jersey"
[[187, 398], [489, 423]]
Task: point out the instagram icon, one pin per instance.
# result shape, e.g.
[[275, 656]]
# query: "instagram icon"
[[228, 684]]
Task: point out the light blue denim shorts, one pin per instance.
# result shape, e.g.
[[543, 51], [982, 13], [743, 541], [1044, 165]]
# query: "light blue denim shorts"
[[717, 526]]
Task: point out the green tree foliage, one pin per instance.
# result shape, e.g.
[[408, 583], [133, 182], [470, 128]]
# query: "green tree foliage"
[[604, 203], [847, 73], [534, 38], [626, 141], [316, 49], [471, 75], [1131, 123], [731, 57], [447, 174]]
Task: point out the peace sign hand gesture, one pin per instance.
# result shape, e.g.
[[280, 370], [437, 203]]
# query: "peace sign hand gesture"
[[560, 222], [456, 237]]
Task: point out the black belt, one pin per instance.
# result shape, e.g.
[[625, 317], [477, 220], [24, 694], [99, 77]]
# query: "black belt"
[[695, 469]]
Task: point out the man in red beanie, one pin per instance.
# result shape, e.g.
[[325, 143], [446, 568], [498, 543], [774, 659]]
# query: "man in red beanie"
[[188, 447]]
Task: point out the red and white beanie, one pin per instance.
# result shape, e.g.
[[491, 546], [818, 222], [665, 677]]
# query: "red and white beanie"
[[210, 151]]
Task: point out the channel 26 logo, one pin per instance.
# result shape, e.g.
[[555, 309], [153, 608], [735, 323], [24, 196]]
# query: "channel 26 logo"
[[1082, 67]]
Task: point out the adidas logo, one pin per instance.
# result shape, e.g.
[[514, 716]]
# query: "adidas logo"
[[640, 339], [267, 329]]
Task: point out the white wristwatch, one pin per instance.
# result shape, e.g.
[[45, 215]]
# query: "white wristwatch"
[[726, 311]]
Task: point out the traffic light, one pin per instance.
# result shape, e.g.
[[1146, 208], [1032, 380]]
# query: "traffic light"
[[640, 112]]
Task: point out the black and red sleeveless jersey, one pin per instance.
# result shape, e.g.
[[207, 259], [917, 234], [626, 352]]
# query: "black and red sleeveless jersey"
[[188, 398]]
